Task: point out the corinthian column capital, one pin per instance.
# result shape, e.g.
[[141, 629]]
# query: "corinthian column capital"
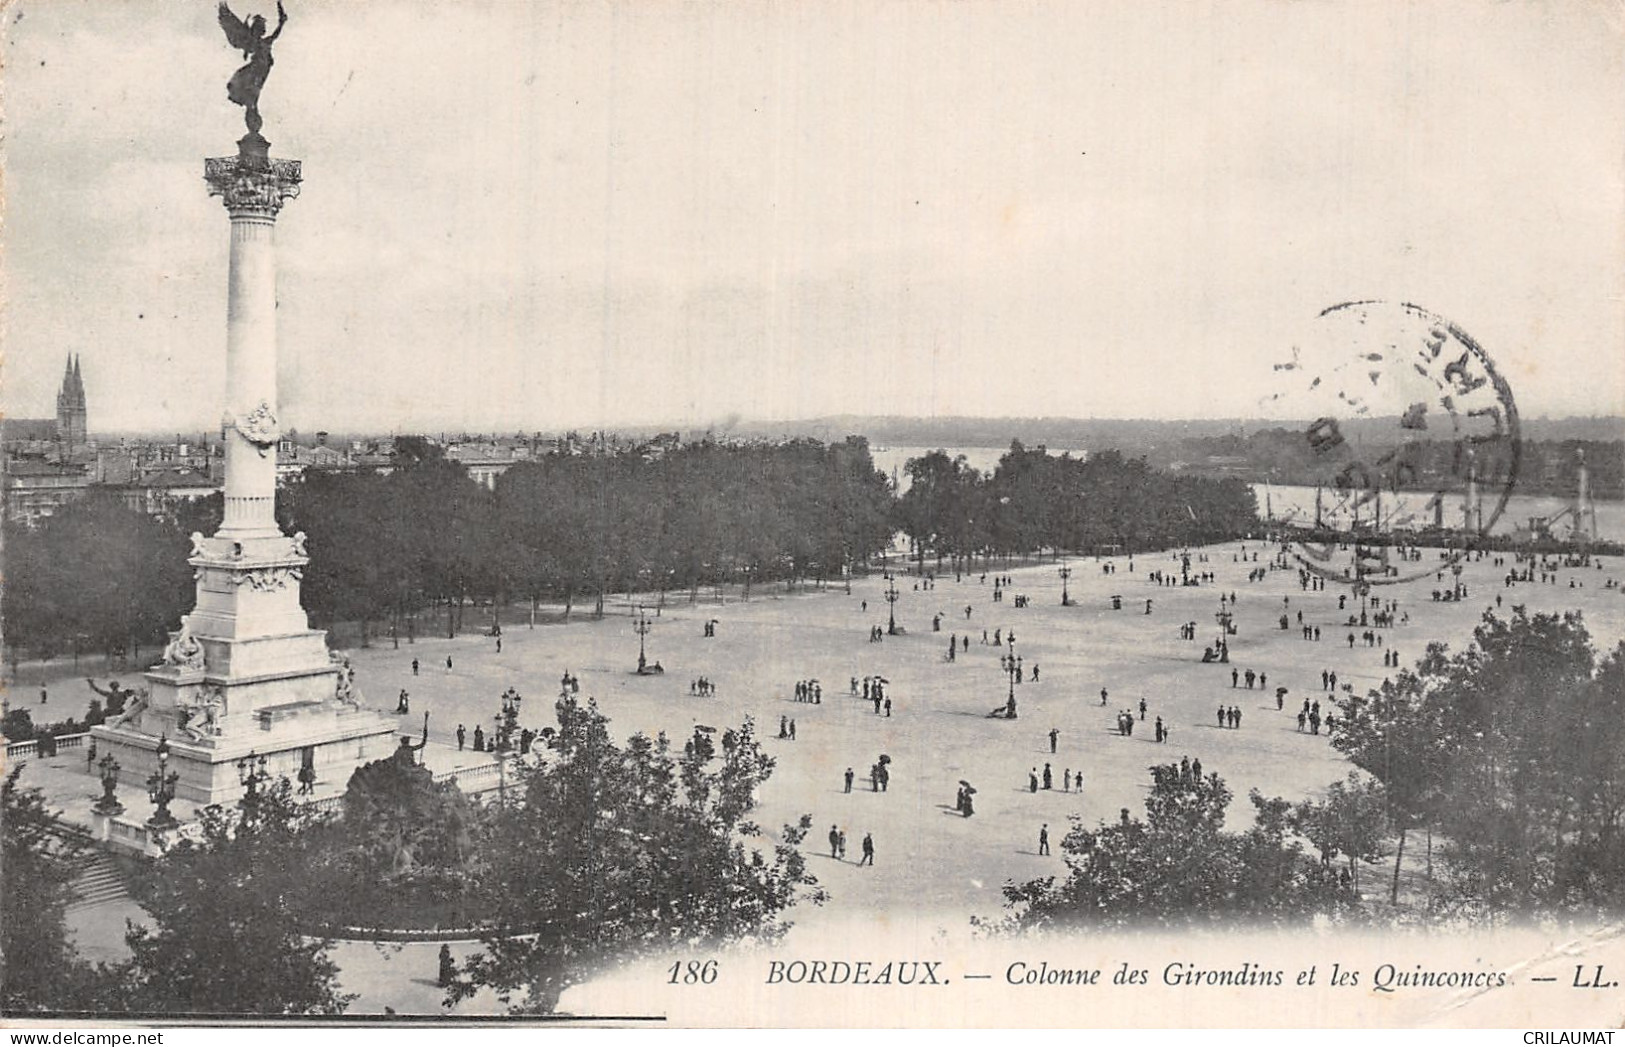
[[252, 186]]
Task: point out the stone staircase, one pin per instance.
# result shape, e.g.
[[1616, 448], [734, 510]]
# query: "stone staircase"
[[100, 880]]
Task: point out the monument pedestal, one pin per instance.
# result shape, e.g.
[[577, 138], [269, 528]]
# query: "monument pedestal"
[[245, 674], [331, 742]]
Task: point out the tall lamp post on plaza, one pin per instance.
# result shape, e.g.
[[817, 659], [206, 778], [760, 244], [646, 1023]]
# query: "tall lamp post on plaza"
[[1065, 572], [161, 788], [1011, 664], [642, 628], [891, 606]]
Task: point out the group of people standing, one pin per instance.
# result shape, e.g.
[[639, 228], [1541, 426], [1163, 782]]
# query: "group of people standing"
[[837, 846], [1260, 678]]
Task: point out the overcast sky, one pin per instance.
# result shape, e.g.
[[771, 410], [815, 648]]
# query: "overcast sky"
[[541, 215]]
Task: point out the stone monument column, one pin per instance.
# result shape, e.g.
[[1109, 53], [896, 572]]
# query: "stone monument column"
[[254, 188], [248, 574], [245, 676]]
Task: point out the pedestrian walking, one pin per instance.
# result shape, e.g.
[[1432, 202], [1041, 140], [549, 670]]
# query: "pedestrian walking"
[[849, 779], [462, 734], [448, 967], [1043, 839], [1054, 736], [868, 850]]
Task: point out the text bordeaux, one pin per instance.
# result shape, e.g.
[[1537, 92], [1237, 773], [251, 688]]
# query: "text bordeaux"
[[840, 972]]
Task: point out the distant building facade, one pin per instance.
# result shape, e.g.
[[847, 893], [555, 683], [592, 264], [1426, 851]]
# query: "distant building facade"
[[35, 490]]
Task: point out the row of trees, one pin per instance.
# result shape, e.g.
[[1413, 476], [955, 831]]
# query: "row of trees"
[[599, 852], [1511, 754], [386, 548], [563, 527], [99, 576], [1034, 500]]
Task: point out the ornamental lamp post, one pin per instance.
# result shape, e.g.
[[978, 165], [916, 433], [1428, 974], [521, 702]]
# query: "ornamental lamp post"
[[252, 774], [1065, 572], [642, 628], [891, 606], [1011, 663], [161, 788], [108, 803]]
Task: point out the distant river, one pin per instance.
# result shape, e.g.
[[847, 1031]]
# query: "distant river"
[[1610, 514], [1519, 508]]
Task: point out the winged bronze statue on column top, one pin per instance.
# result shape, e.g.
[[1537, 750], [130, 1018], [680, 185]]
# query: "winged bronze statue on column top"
[[250, 38]]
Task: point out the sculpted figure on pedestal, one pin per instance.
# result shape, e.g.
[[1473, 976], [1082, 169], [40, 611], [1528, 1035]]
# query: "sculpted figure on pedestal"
[[184, 650], [344, 688], [133, 708], [211, 703]]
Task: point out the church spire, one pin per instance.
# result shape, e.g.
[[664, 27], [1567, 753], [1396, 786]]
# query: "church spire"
[[70, 405]]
